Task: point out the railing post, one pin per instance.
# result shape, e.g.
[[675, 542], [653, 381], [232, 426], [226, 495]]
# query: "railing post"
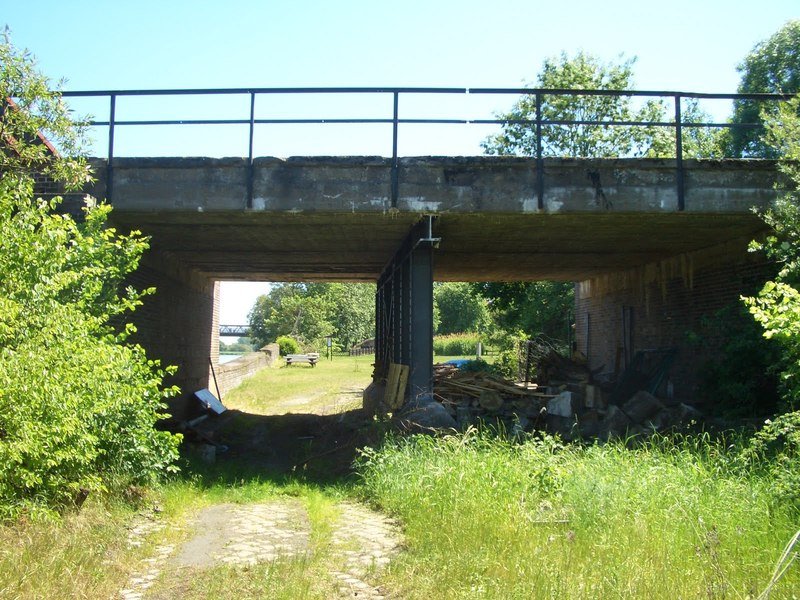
[[110, 167], [250, 162], [679, 175], [539, 153], [395, 161]]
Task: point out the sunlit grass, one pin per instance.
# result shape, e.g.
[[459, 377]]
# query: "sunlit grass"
[[483, 517], [85, 555], [331, 386], [488, 518]]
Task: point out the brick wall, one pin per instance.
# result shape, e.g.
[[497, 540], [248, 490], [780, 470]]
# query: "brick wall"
[[656, 305], [177, 324], [235, 372]]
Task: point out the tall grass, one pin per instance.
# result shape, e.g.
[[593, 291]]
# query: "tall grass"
[[83, 555], [456, 344], [489, 518]]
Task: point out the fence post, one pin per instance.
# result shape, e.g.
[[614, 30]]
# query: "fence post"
[[395, 161], [539, 157], [679, 154], [110, 167], [250, 163]]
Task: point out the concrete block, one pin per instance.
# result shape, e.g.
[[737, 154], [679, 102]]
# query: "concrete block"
[[561, 405], [593, 397], [641, 406]]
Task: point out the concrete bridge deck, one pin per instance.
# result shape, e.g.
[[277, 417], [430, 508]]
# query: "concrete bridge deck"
[[333, 218]]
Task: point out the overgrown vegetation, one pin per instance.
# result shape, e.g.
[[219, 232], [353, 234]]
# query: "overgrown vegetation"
[[78, 403], [457, 344], [489, 518], [738, 378], [288, 345], [773, 66]]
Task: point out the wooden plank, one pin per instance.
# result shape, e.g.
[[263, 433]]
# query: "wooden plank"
[[396, 382]]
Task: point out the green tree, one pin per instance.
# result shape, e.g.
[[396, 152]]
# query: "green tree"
[[290, 310], [309, 312], [351, 310], [530, 307], [773, 66], [78, 403], [777, 306], [583, 71], [460, 309]]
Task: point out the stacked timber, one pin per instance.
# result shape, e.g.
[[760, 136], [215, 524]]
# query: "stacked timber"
[[469, 395]]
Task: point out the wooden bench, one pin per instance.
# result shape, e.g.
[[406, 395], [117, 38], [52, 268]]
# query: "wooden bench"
[[310, 358]]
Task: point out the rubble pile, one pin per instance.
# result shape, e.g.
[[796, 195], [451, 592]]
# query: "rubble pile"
[[470, 395], [566, 399]]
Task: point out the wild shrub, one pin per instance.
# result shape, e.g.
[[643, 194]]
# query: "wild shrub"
[[78, 403], [288, 345]]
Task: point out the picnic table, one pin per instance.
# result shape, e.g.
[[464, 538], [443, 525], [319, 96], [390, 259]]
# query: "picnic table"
[[311, 358]]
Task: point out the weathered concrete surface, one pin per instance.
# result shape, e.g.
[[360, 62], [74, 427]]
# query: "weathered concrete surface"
[[493, 184], [331, 218]]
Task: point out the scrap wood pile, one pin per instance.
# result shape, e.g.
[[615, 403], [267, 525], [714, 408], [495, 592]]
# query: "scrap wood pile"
[[480, 392], [551, 367]]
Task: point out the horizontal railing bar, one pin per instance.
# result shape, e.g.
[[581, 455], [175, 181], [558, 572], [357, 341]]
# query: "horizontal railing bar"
[[234, 91], [418, 121], [423, 90], [632, 93]]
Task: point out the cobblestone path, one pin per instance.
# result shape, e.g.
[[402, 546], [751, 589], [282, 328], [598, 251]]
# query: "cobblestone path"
[[362, 541]]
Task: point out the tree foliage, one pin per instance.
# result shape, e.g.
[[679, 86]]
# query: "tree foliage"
[[310, 311], [773, 66], [593, 139], [78, 404], [460, 309], [532, 308], [777, 306]]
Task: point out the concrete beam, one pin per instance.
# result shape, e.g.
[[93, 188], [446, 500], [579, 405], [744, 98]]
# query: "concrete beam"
[[331, 218], [488, 184]]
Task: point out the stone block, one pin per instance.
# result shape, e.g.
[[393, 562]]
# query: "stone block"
[[641, 406], [561, 405]]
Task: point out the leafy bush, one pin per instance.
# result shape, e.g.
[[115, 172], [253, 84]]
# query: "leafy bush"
[[456, 344], [739, 379], [776, 448], [78, 404], [288, 345]]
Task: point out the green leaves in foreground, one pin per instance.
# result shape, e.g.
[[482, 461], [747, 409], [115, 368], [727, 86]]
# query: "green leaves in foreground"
[[78, 404]]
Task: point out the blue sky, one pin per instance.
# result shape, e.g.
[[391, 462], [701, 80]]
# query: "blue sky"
[[679, 45], [173, 43]]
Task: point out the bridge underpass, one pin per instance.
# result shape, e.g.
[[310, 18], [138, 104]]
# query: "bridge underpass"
[[611, 224]]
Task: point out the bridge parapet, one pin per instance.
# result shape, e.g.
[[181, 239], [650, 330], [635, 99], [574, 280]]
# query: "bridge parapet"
[[432, 185]]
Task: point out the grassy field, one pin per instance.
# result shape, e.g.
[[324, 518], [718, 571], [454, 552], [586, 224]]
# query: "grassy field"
[[331, 386], [484, 517]]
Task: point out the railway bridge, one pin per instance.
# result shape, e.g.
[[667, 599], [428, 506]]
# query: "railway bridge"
[[653, 244]]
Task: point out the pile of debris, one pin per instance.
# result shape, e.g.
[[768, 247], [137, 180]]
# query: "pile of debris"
[[568, 398], [470, 395]]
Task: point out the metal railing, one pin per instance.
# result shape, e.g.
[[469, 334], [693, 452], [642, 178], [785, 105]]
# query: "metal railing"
[[538, 122]]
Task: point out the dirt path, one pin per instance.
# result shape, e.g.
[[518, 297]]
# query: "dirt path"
[[362, 542]]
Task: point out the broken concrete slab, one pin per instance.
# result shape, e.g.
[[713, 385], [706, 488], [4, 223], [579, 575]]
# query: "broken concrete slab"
[[562, 405], [641, 406]]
